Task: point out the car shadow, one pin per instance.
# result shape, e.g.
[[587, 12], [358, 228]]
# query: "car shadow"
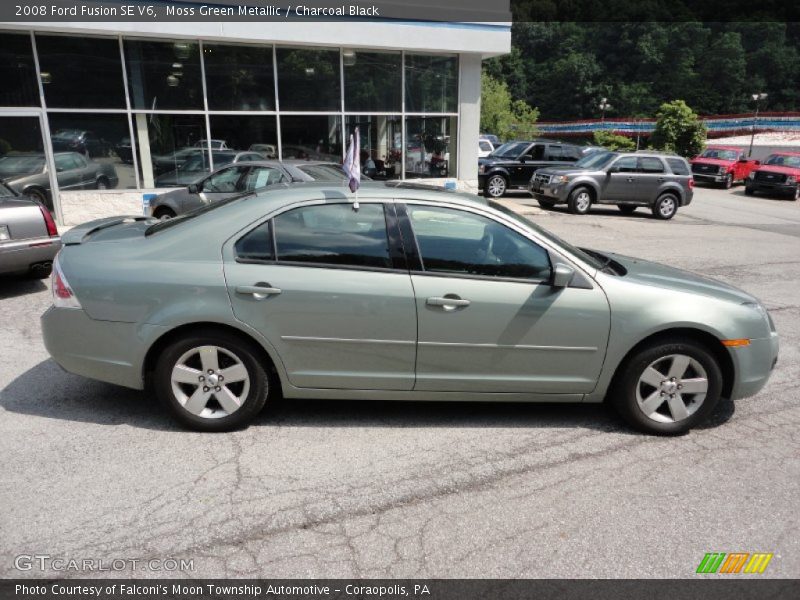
[[48, 392], [11, 287], [642, 212]]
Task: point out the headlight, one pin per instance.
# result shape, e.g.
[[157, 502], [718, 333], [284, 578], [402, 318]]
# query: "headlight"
[[751, 175], [722, 170], [791, 179], [559, 179], [482, 169]]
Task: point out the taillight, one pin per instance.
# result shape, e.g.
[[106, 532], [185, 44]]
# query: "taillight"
[[63, 296], [691, 183], [52, 230]]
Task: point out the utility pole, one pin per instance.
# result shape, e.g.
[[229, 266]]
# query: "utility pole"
[[756, 98]]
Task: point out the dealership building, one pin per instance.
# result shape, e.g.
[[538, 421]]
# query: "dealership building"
[[96, 115]]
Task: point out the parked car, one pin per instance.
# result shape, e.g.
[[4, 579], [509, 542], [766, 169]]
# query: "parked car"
[[778, 176], [124, 151], [215, 144], [87, 143], [492, 138], [661, 182], [162, 163], [511, 165], [197, 166], [485, 147], [416, 295], [268, 150], [29, 239], [240, 178], [724, 165], [27, 174]]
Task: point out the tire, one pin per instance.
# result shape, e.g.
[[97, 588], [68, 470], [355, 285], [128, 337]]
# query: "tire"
[[495, 186], [748, 191], [626, 209], [164, 213], [40, 273], [580, 201], [666, 207], [728, 183], [102, 183], [39, 195], [546, 204], [217, 405], [645, 400], [796, 194]]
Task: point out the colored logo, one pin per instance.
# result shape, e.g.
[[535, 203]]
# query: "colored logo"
[[734, 562]]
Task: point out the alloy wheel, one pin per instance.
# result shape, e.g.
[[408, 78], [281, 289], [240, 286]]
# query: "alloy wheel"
[[672, 388], [583, 201], [666, 206], [496, 186]]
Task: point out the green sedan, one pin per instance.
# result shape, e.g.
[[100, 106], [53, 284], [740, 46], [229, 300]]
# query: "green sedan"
[[410, 294]]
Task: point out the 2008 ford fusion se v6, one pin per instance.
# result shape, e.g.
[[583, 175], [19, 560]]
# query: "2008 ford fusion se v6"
[[413, 294]]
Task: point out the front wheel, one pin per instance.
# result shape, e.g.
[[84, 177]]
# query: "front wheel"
[[496, 186], [668, 388], [728, 183], [212, 381], [580, 200], [748, 191], [163, 213], [665, 207], [796, 194]]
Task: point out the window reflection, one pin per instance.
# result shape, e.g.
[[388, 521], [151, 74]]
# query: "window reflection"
[[431, 146], [372, 81], [17, 73], [164, 75], [431, 83], [172, 148], [308, 79], [239, 77], [312, 137], [252, 133], [22, 164], [381, 145]]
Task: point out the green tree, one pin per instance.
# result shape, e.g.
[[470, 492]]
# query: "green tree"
[[612, 141], [502, 115], [678, 130]]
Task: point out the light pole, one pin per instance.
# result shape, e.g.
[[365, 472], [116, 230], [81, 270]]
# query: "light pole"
[[603, 106], [756, 98]]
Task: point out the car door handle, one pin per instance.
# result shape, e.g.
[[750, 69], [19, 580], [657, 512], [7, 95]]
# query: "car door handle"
[[258, 291], [660, 179], [448, 302]]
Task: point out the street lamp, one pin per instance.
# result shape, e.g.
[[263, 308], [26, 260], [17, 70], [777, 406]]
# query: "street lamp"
[[604, 106], [756, 98]]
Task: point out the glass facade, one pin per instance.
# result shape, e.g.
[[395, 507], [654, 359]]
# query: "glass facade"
[[141, 113]]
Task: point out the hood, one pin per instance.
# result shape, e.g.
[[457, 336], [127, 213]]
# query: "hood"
[[175, 177], [783, 170], [655, 274], [719, 162], [563, 170], [110, 229]]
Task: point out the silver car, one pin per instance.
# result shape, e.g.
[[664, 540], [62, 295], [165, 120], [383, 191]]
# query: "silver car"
[[414, 294]]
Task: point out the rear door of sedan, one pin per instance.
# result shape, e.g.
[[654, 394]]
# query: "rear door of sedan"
[[327, 285], [489, 318]]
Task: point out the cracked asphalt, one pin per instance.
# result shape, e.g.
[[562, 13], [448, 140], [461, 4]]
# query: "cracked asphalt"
[[360, 489]]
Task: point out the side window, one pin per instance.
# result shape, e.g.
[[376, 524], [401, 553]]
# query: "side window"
[[64, 162], [259, 177], [256, 245], [457, 241], [223, 181], [554, 153], [537, 152], [651, 164], [78, 161], [678, 166], [626, 164], [334, 234]]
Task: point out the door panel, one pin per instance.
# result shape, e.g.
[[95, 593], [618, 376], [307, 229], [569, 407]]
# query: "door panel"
[[650, 178], [621, 185]]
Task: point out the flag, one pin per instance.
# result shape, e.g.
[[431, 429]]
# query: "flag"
[[352, 162]]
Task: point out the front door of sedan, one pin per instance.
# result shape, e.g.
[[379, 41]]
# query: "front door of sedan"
[[322, 283], [489, 320]]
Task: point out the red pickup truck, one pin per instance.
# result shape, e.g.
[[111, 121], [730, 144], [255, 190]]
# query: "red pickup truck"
[[778, 176], [722, 164]]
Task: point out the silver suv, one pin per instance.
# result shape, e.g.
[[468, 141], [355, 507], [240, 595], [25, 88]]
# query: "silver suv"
[[662, 182]]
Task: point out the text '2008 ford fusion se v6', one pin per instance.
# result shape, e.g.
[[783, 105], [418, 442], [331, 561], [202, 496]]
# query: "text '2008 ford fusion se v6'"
[[411, 294]]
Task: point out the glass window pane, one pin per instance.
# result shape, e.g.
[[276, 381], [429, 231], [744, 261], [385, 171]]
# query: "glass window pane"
[[259, 177], [164, 75], [80, 72], [372, 81], [98, 138], [431, 83], [247, 132], [172, 149], [456, 241], [650, 164], [334, 234], [255, 245], [309, 79], [22, 162], [431, 146], [225, 180], [381, 145], [312, 137], [17, 72], [239, 77]]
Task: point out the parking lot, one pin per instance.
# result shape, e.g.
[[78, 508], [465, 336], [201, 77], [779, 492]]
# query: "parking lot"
[[358, 489]]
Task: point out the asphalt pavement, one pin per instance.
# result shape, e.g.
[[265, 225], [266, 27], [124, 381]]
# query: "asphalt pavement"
[[373, 489]]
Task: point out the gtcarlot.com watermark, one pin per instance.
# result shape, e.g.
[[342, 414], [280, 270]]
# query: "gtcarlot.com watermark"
[[47, 562]]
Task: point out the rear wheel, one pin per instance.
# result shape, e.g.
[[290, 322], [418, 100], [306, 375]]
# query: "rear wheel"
[[102, 183], [668, 388], [665, 207], [164, 213], [496, 186], [38, 194], [580, 201], [626, 209], [212, 381]]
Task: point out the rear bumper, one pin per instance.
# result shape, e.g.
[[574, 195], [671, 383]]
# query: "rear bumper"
[[104, 350], [18, 256], [753, 365]]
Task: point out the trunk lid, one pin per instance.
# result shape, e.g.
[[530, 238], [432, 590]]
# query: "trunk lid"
[[110, 229]]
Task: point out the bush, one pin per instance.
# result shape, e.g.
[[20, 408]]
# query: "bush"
[[678, 130], [503, 116], [612, 141]]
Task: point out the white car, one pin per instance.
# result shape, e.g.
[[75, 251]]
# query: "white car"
[[485, 148]]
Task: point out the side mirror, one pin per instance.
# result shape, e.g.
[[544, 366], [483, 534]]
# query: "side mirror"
[[194, 188], [562, 275], [525, 158], [612, 169]]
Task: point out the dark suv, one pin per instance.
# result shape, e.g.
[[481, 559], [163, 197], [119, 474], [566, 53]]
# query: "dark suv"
[[511, 165], [662, 182]]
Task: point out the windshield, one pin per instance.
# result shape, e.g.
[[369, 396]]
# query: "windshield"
[[21, 165], [783, 160], [720, 154], [67, 134], [512, 149], [524, 221], [596, 160]]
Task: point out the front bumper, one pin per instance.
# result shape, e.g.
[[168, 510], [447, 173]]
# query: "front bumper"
[[779, 189], [17, 256], [753, 365], [709, 178], [549, 192]]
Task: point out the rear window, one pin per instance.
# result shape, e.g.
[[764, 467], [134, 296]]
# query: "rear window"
[[678, 166]]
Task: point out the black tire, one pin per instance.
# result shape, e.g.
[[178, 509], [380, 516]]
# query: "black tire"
[[164, 212], [796, 194], [626, 209], [666, 206], [39, 195], [728, 183], [748, 191], [546, 204], [577, 200], [623, 395], [495, 187], [261, 383], [102, 183], [40, 273]]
